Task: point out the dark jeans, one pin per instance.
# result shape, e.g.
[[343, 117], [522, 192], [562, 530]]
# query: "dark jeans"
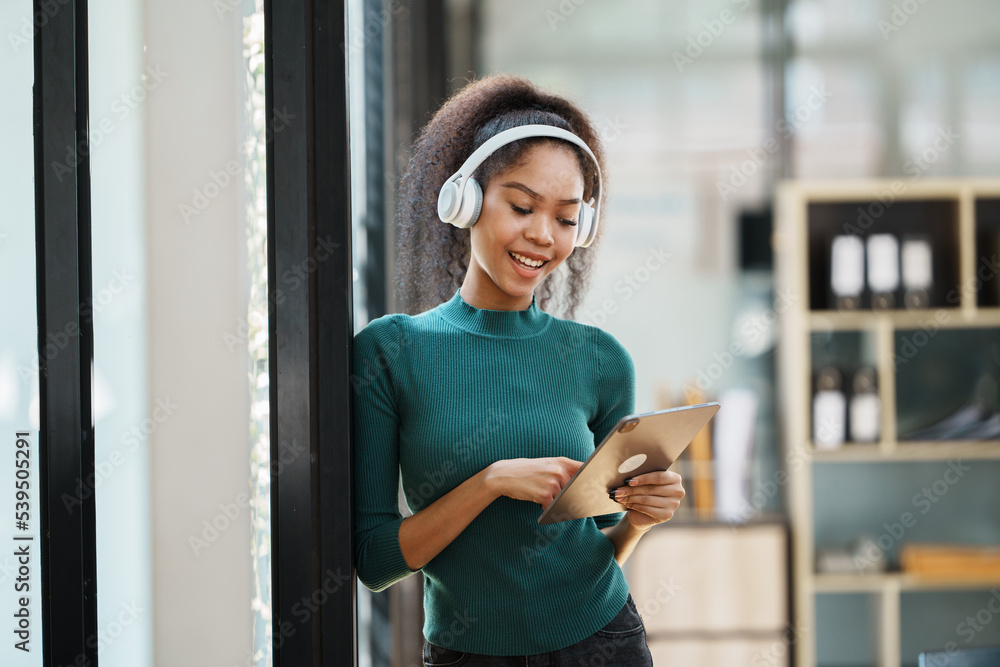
[[620, 643]]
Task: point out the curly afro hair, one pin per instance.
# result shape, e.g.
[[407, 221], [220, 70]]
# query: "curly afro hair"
[[432, 257]]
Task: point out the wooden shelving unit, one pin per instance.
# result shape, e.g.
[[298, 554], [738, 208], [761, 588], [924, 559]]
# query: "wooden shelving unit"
[[801, 216], [714, 593]]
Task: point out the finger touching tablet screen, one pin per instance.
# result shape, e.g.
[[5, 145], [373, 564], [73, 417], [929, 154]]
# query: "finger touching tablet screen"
[[637, 444]]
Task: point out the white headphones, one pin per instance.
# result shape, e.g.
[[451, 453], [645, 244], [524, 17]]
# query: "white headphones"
[[461, 198]]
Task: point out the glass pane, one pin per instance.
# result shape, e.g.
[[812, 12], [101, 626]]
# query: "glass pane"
[[362, 112], [912, 93], [255, 215], [20, 591], [180, 329], [125, 424], [953, 391]]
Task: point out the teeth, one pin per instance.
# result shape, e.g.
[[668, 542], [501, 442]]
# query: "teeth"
[[535, 263]]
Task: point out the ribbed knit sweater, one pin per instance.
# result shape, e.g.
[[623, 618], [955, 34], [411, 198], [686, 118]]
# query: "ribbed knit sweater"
[[441, 395]]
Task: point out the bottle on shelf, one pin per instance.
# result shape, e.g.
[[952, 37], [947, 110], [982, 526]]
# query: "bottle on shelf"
[[865, 416], [829, 410], [918, 271], [883, 270], [847, 271]]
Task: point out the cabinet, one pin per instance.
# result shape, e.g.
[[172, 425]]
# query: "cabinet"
[[712, 593], [960, 221]]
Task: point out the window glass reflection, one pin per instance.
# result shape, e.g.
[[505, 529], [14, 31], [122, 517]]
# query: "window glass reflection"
[[20, 590]]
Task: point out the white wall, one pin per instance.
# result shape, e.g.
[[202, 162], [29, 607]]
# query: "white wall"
[[197, 293]]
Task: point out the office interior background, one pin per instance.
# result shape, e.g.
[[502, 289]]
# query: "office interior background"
[[728, 125]]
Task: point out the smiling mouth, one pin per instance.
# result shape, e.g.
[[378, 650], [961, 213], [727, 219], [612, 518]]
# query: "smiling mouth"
[[527, 263]]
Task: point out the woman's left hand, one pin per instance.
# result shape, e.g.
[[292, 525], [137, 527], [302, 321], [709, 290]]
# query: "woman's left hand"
[[651, 498]]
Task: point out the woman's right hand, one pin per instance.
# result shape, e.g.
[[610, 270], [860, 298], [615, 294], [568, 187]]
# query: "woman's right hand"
[[537, 480]]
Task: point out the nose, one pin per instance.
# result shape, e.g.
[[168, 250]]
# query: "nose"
[[539, 230]]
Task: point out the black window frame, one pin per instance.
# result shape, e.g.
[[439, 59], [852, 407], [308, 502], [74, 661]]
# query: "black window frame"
[[311, 331], [68, 540]]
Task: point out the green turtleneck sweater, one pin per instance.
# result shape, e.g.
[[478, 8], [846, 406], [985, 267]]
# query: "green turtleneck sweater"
[[440, 396]]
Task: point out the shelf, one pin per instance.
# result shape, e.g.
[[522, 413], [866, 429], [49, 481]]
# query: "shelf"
[[876, 583], [940, 450], [919, 357], [943, 318]]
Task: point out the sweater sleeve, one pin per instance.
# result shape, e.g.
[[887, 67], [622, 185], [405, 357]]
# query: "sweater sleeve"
[[615, 397], [377, 359]]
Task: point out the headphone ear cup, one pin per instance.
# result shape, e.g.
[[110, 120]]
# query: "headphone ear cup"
[[472, 205], [586, 227], [448, 205]]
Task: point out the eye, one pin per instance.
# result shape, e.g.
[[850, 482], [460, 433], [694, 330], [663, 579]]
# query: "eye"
[[527, 211]]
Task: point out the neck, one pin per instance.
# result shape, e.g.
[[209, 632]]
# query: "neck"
[[479, 290], [525, 323]]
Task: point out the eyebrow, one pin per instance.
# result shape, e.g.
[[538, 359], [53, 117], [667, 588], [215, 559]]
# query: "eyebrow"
[[534, 195]]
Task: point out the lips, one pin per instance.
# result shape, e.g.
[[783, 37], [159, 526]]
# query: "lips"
[[526, 260], [523, 270]]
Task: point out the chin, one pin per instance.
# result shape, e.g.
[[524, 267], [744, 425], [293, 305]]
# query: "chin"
[[518, 291]]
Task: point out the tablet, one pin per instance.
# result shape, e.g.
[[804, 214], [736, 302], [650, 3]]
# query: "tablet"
[[636, 445]]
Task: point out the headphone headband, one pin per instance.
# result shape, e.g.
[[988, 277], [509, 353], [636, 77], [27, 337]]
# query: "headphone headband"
[[456, 184]]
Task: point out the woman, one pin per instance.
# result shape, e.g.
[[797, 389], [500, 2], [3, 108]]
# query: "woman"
[[486, 405]]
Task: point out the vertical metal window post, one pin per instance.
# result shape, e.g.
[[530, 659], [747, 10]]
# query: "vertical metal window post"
[[310, 332], [68, 539]]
